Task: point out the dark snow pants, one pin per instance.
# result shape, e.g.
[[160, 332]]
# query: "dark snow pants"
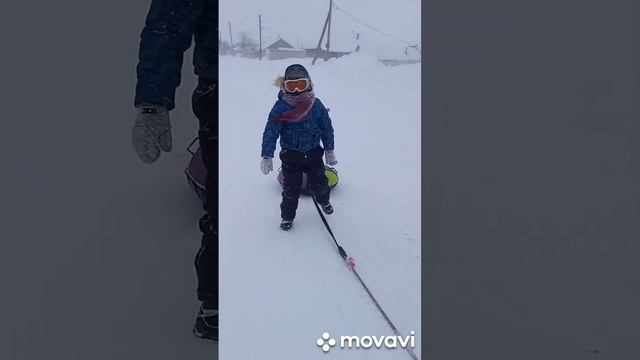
[[205, 108], [294, 163]]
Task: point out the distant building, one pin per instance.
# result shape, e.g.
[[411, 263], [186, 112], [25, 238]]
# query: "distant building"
[[322, 53], [283, 50], [280, 44]]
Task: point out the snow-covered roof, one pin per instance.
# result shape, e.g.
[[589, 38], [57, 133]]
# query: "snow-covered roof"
[[280, 44]]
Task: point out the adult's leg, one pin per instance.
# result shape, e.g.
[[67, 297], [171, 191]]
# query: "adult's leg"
[[292, 172], [205, 107], [318, 182]]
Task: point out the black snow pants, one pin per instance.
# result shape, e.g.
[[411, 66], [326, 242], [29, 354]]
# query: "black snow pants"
[[205, 108], [294, 163]]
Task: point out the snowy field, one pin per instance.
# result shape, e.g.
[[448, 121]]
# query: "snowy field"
[[281, 290]]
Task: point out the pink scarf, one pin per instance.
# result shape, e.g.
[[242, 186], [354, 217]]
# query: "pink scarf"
[[301, 105]]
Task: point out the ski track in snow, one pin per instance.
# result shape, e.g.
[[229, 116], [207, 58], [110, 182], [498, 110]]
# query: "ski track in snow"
[[281, 290]]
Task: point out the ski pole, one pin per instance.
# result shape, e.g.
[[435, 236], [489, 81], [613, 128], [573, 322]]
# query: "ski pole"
[[352, 266]]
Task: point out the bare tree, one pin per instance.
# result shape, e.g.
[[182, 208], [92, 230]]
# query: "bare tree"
[[224, 47], [247, 45]]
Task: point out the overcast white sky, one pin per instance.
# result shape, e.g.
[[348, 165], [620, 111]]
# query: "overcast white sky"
[[300, 22]]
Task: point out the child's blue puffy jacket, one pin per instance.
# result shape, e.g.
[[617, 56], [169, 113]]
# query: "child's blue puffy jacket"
[[301, 136]]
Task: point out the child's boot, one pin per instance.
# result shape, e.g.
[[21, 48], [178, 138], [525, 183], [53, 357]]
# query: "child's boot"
[[286, 224], [327, 208]]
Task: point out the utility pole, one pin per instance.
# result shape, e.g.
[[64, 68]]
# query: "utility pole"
[[319, 47], [328, 53], [260, 32], [231, 38]]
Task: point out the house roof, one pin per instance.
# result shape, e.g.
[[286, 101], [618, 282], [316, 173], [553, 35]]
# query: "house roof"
[[280, 44]]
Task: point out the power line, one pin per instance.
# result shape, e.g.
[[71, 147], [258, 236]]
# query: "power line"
[[373, 28]]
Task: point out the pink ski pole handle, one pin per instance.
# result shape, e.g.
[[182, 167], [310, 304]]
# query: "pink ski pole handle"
[[351, 263]]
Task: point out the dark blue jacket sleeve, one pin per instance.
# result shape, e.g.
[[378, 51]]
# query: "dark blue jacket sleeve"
[[272, 131], [167, 34], [327, 128], [205, 34]]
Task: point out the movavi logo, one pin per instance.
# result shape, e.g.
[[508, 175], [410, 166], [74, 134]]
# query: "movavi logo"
[[326, 342]]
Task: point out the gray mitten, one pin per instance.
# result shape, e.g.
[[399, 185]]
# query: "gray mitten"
[[330, 157], [151, 132], [266, 165]]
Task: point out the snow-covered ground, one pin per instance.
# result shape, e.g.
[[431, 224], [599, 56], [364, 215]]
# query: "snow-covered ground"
[[281, 290]]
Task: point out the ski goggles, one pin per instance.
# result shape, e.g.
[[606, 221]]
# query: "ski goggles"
[[297, 85]]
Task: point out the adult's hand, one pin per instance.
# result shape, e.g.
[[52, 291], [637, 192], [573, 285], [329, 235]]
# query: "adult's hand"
[[151, 132]]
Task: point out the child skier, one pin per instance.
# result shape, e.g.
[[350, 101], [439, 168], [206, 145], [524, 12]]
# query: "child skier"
[[301, 121]]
